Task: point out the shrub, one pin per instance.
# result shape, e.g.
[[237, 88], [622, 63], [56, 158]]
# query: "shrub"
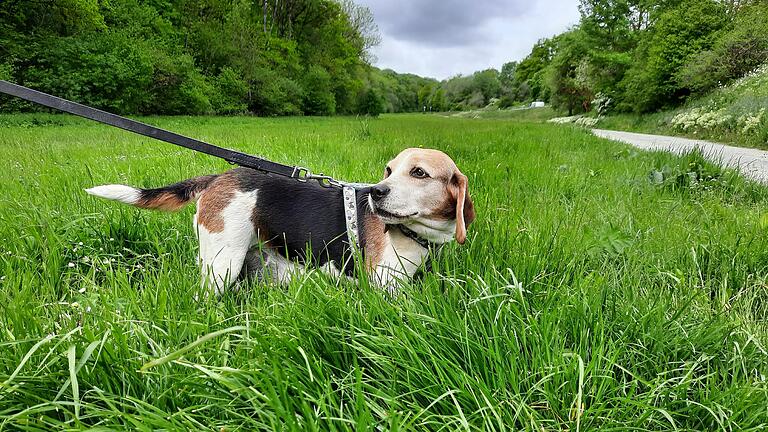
[[371, 103], [735, 53], [104, 70], [178, 87], [273, 94], [231, 93], [6, 72], [678, 34], [318, 96]]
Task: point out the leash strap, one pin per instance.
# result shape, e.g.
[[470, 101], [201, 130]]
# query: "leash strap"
[[231, 156]]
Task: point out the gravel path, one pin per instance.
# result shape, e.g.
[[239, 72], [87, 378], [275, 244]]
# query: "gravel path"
[[752, 162]]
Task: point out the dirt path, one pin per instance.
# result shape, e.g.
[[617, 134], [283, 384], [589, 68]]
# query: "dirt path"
[[752, 162]]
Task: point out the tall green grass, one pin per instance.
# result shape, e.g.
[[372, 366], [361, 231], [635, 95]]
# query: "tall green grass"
[[601, 288]]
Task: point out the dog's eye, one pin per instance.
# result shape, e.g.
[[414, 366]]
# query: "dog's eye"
[[419, 173], [389, 172]]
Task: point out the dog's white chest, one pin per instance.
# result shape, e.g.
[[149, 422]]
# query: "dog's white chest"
[[400, 259]]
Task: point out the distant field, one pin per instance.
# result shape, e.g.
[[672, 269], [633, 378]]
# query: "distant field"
[[600, 288]]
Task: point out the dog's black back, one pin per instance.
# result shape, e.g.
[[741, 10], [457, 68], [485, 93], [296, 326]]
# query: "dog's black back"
[[301, 220]]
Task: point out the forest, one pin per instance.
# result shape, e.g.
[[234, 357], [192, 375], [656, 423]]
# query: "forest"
[[270, 57], [313, 57], [644, 55], [635, 56]]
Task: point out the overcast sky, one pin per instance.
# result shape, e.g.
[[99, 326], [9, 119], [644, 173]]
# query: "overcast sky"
[[442, 38]]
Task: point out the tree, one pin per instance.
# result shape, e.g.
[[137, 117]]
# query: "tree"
[[530, 71], [507, 74], [425, 94], [675, 37], [167, 56], [318, 97], [371, 104], [487, 84], [568, 74], [735, 52], [363, 26]]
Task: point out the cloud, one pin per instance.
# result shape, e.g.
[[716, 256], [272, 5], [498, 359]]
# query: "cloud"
[[441, 22], [442, 38]]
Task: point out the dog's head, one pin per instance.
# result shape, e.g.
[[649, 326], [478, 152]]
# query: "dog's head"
[[425, 191]]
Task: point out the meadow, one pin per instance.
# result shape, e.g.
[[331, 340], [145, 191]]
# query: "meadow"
[[601, 287]]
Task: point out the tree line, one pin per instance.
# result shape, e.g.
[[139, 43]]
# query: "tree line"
[[312, 57], [267, 57], [644, 55], [624, 56]]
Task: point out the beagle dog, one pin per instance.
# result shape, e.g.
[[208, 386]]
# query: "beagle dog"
[[251, 222]]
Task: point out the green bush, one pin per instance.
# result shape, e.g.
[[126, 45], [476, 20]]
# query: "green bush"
[[231, 93], [371, 103], [273, 94], [677, 35], [105, 70], [735, 53], [6, 72], [318, 96], [178, 87]]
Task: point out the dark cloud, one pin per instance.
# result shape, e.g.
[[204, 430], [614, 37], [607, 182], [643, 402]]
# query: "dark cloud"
[[442, 38], [441, 22]]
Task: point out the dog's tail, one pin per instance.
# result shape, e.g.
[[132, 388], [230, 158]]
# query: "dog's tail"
[[168, 198]]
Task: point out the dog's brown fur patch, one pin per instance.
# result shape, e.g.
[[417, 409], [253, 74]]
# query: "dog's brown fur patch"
[[213, 201], [165, 201], [375, 241]]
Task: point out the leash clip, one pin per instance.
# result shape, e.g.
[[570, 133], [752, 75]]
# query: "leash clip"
[[301, 174], [304, 174], [323, 180]]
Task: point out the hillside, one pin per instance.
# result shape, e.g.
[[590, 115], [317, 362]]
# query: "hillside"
[[735, 113]]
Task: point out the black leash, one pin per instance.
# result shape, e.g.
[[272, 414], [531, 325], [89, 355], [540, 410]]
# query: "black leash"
[[231, 156]]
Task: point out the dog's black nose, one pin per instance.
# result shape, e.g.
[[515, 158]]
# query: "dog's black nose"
[[379, 191]]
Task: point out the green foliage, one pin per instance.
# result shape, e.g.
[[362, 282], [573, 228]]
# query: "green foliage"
[[177, 87], [568, 74], [644, 55], [166, 57], [530, 73], [678, 34], [371, 103], [6, 72], [736, 52], [470, 92], [400, 92], [318, 97], [231, 93], [276, 95], [294, 57], [108, 71], [735, 114]]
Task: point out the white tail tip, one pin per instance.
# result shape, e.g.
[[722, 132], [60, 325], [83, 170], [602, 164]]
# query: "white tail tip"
[[124, 194]]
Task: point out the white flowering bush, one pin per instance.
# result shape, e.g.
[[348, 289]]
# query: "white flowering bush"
[[750, 123], [578, 120], [564, 120], [739, 108], [587, 122], [602, 103]]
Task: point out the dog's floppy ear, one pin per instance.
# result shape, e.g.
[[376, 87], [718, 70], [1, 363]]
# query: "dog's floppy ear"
[[465, 210]]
